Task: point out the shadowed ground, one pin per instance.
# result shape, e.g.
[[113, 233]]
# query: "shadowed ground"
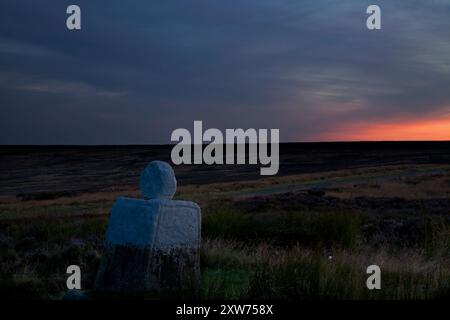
[[305, 234], [30, 170]]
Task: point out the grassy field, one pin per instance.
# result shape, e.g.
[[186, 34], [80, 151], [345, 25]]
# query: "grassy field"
[[305, 236]]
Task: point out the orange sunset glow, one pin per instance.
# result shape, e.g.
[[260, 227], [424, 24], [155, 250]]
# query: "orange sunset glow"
[[417, 130]]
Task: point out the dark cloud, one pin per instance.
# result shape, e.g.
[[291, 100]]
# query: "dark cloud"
[[140, 69]]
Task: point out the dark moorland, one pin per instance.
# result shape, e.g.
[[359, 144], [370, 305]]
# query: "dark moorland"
[[31, 169], [308, 233]]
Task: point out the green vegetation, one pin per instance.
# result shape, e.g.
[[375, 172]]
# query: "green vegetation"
[[267, 252]]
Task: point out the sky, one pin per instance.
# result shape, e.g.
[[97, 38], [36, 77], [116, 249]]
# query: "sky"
[[140, 69]]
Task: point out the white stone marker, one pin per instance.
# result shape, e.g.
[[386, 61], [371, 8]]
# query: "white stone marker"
[[152, 243]]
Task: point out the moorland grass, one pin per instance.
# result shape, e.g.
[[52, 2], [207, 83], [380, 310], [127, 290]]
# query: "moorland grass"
[[268, 253]]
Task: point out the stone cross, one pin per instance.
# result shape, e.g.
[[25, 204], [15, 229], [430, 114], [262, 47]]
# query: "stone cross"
[[152, 244]]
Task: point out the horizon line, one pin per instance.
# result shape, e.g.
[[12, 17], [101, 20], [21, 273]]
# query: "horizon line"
[[172, 144]]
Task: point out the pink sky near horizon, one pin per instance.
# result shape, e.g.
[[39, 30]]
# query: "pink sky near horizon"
[[430, 129]]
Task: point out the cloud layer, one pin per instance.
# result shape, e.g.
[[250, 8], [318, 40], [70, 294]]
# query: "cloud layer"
[[139, 70]]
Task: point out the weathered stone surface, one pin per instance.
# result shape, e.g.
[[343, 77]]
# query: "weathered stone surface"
[[151, 244], [158, 181], [164, 223], [148, 269]]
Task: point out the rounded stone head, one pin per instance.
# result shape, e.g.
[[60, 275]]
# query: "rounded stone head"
[[158, 181]]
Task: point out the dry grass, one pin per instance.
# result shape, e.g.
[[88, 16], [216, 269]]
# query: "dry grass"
[[272, 273], [420, 187], [275, 250]]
